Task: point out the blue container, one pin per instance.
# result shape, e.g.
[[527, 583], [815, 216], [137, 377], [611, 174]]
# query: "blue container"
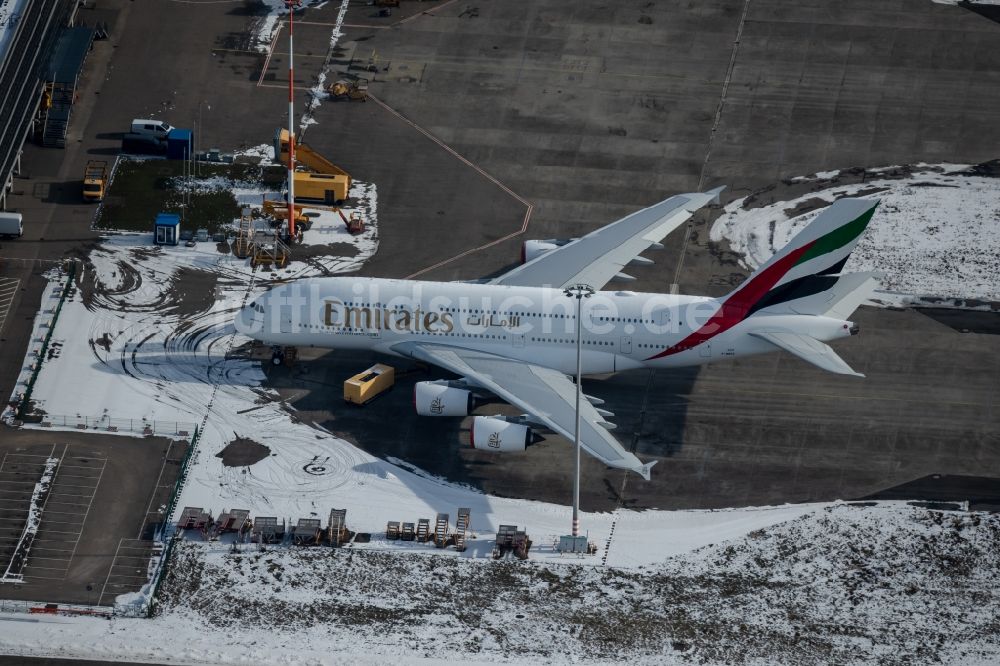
[[167, 229], [180, 144]]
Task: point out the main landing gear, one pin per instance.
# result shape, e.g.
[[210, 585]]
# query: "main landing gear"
[[283, 355]]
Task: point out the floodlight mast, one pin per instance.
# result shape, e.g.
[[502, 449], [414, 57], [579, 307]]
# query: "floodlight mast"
[[291, 4], [579, 291]]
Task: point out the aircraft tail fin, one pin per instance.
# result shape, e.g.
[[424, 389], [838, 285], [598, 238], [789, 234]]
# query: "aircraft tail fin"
[[808, 265], [836, 296]]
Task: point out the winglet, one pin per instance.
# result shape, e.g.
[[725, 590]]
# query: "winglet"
[[644, 470], [716, 192]]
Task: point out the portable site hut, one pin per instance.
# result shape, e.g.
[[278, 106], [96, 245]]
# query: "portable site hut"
[[167, 229], [179, 144]]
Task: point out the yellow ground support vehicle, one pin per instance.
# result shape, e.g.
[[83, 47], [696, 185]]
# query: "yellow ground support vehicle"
[[365, 386], [357, 89], [279, 211], [95, 179]]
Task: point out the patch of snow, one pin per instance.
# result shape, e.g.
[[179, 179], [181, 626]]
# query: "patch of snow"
[[58, 280], [11, 12], [318, 92], [836, 583], [264, 152], [936, 232], [819, 175]]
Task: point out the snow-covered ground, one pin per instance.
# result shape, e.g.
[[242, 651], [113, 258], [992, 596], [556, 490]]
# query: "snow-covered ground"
[[936, 232], [839, 584], [11, 12]]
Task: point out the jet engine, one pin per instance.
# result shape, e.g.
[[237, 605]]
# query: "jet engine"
[[490, 433], [439, 399], [536, 248]]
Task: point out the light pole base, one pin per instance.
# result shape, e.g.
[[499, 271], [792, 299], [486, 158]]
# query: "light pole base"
[[573, 544]]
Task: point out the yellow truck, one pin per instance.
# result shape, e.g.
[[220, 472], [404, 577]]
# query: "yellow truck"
[[365, 386], [95, 180]]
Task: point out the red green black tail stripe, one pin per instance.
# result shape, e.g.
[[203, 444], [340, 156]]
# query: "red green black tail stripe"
[[747, 299]]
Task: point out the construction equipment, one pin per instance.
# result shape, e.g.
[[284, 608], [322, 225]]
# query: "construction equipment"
[[337, 531], [510, 539], [365, 386], [266, 529], [441, 536], [245, 232], [328, 183], [267, 249], [278, 210], [357, 89], [355, 225], [307, 532], [423, 530], [325, 187], [461, 527], [392, 530], [95, 180], [194, 518], [408, 533]]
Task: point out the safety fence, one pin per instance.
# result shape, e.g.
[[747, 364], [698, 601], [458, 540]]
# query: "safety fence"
[[43, 608], [165, 537], [106, 423]]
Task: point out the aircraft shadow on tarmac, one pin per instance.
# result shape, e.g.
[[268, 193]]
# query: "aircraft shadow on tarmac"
[[650, 411], [965, 321]]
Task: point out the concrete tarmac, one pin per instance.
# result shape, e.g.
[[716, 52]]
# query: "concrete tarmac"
[[580, 114], [588, 113]]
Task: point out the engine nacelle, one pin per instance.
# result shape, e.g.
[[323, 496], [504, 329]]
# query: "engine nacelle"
[[433, 399], [536, 248], [492, 434]]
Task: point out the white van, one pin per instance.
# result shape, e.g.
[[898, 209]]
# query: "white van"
[[154, 129], [10, 225]]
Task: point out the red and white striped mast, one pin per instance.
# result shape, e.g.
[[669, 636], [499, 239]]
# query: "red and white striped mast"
[[291, 4]]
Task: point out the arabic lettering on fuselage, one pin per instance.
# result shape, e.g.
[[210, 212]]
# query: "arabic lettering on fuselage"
[[486, 321]]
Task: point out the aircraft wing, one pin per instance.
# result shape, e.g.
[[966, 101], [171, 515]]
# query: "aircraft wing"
[[546, 394], [599, 256]]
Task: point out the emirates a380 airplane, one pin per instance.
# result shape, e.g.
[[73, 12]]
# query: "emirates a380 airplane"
[[514, 336]]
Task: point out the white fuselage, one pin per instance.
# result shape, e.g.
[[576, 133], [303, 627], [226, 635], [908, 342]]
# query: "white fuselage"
[[620, 330]]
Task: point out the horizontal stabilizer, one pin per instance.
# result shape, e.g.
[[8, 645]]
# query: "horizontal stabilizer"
[[850, 292], [808, 349]]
